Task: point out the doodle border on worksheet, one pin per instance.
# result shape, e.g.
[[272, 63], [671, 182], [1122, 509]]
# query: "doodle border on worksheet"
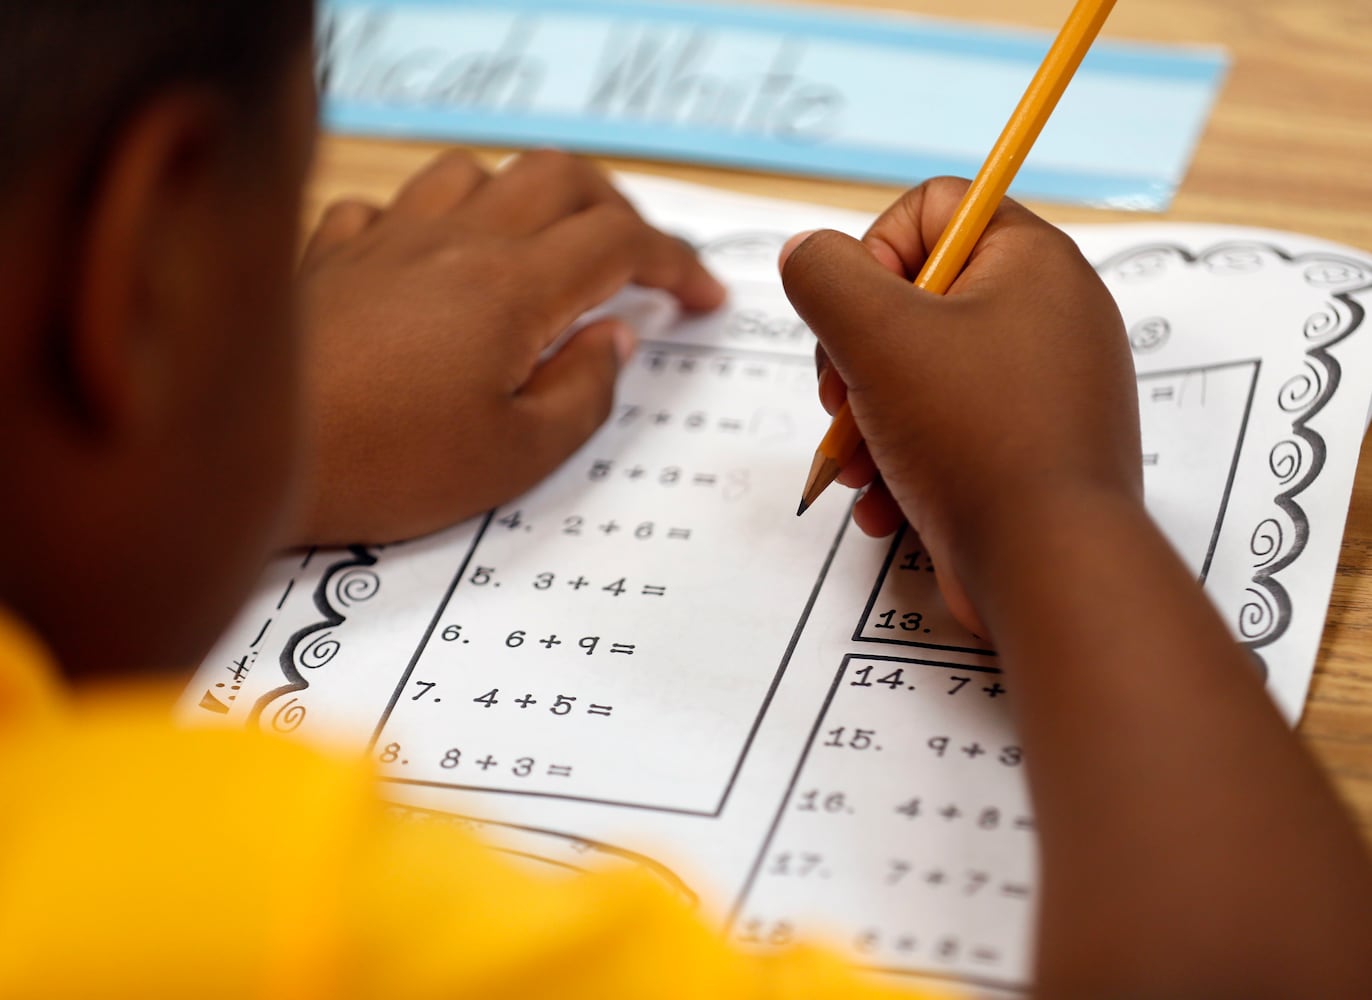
[[348, 581], [1297, 460]]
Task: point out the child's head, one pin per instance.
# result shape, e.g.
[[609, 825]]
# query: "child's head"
[[152, 154]]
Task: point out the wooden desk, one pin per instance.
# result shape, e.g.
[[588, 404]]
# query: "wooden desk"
[[1288, 147]]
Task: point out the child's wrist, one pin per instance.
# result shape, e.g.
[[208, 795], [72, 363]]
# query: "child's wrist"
[[1012, 542]]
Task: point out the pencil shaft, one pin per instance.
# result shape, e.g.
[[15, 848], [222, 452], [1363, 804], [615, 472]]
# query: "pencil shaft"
[[988, 189], [979, 204]]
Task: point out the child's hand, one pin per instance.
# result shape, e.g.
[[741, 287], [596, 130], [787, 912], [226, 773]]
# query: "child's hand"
[[425, 399], [1012, 391]]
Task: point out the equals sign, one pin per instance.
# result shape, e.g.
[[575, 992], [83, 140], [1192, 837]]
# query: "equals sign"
[[705, 479], [683, 534], [985, 955], [1014, 890], [654, 591], [600, 710], [1024, 823], [1151, 459], [1164, 393], [624, 648], [559, 771], [731, 425]]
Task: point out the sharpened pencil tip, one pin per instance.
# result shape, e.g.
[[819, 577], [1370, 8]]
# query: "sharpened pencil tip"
[[822, 473]]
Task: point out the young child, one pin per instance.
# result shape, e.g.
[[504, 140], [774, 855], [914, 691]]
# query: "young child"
[[152, 381]]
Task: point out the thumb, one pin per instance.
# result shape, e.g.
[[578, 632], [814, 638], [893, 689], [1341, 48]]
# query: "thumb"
[[855, 305], [572, 393]]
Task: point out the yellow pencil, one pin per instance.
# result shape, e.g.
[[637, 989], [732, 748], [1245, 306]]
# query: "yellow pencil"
[[978, 205]]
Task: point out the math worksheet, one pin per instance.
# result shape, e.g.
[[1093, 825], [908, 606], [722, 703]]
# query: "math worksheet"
[[650, 660]]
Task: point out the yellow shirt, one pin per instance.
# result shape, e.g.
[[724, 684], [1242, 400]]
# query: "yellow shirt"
[[123, 874]]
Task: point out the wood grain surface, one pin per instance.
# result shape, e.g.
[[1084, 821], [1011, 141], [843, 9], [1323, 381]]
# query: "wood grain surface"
[[1289, 146]]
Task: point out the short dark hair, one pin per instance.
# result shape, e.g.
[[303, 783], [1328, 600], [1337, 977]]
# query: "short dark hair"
[[73, 71]]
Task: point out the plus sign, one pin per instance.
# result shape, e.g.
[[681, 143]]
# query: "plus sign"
[[551, 641], [488, 763], [526, 701], [662, 417], [578, 583], [637, 472], [610, 528], [973, 751], [951, 812], [934, 878], [994, 689]]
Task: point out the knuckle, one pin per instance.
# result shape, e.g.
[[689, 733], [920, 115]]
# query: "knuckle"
[[1051, 243], [460, 160], [945, 184], [944, 190], [346, 212], [806, 258], [456, 167], [552, 162], [621, 220], [936, 198]]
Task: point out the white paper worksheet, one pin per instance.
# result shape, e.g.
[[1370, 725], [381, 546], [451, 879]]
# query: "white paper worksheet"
[[650, 660]]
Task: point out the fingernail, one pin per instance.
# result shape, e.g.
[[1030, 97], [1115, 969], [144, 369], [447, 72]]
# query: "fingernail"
[[626, 342], [832, 392], [791, 245]]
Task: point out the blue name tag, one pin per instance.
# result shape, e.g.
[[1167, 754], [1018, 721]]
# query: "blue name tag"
[[798, 90]]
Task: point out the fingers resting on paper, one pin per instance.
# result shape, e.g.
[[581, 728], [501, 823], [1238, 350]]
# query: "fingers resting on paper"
[[428, 395]]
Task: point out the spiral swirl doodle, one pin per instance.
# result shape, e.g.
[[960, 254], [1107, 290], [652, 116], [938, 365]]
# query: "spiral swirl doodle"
[[1330, 272], [1235, 260], [1325, 323], [1149, 334], [1286, 460], [1267, 542], [1302, 390], [320, 651], [1147, 263], [1258, 616], [288, 717], [355, 587]]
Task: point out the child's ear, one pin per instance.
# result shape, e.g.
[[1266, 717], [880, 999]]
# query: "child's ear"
[[136, 287]]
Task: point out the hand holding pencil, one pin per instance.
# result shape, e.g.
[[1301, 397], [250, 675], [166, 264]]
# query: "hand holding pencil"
[[950, 255]]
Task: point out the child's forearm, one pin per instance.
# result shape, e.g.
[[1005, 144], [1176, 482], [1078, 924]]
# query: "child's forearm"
[[1190, 847]]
